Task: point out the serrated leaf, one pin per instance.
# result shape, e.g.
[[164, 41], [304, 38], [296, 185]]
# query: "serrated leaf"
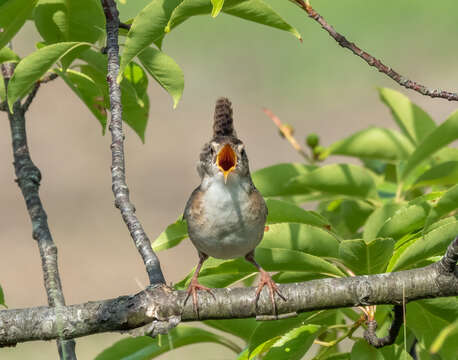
[[366, 258], [302, 237], [407, 219], [373, 143], [413, 121], [69, 20], [294, 344], [445, 173], [252, 10], [13, 14], [88, 91], [32, 67], [377, 219], [432, 243], [341, 179], [443, 135], [147, 27], [447, 203], [171, 236], [284, 212], [165, 71], [274, 180], [217, 6], [8, 55], [145, 347]]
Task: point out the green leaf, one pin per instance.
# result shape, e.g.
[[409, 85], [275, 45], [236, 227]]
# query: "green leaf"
[[2, 88], [302, 237], [220, 273], [433, 243], [361, 350], [426, 326], [252, 10], [145, 347], [294, 344], [243, 328], [445, 173], [449, 333], [274, 180], [413, 121], [88, 91], [2, 297], [284, 212], [405, 220], [366, 258], [341, 179], [446, 204], [165, 71], [69, 20], [378, 218], [32, 67], [217, 6], [373, 143], [13, 14], [147, 27], [443, 135], [171, 236], [8, 55]]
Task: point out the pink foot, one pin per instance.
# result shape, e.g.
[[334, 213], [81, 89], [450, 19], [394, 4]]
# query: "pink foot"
[[193, 287], [266, 280]]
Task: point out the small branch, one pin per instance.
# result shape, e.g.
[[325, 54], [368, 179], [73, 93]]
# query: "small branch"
[[448, 262], [161, 307], [124, 26], [118, 171], [28, 179], [286, 133], [372, 338], [401, 80]]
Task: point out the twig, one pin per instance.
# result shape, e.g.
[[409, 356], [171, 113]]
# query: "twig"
[[372, 338], [28, 179], [448, 262], [286, 133], [118, 174], [401, 80], [161, 307], [124, 26], [33, 93]]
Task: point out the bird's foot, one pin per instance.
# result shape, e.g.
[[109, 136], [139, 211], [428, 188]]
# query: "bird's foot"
[[266, 280], [193, 287]]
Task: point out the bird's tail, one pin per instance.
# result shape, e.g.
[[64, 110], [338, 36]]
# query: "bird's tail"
[[223, 124]]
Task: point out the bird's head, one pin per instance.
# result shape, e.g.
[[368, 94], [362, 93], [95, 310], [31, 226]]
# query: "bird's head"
[[224, 156]]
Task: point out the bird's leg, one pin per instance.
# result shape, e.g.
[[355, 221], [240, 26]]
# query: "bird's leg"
[[263, 281], [194, 285]]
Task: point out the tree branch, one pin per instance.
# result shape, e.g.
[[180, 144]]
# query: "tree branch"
[[162, 308], [33, 93], [372, 338], [118, 171], [401, 80], [28, 179]]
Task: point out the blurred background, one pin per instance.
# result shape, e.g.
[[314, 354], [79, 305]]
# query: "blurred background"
[[316, 86]]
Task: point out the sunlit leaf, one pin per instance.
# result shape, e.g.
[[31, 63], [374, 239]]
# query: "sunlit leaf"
[[217, 6], [165, 71], [2, 297], [171, 236], [443, 135], [445, 173], [32, 67], [362, 350], [284, 212], [8, 55], [447, 203], [13, 14], [243, 328], [414, 122], [378, 218]]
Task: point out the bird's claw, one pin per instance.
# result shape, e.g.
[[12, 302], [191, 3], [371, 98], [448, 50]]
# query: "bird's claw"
[[194, 286], [266, 280]]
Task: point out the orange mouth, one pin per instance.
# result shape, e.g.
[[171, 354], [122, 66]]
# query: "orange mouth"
[[226, 160]]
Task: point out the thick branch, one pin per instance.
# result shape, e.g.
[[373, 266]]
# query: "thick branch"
[[161, 307], [401, 80], [118, 171], [28, 179]]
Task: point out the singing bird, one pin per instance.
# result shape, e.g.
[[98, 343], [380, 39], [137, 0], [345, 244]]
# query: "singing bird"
[[226, 214]]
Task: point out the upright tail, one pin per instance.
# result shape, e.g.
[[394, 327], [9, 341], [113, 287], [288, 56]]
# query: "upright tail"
[[223, 124]]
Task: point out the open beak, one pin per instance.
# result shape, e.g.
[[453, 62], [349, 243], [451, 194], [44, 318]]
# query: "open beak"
[[226, 160]]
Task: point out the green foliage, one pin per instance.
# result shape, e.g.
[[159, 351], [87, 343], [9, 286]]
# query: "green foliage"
[[2, 297], [395, 211]]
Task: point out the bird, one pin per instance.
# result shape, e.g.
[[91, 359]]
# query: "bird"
[[226, 214]]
